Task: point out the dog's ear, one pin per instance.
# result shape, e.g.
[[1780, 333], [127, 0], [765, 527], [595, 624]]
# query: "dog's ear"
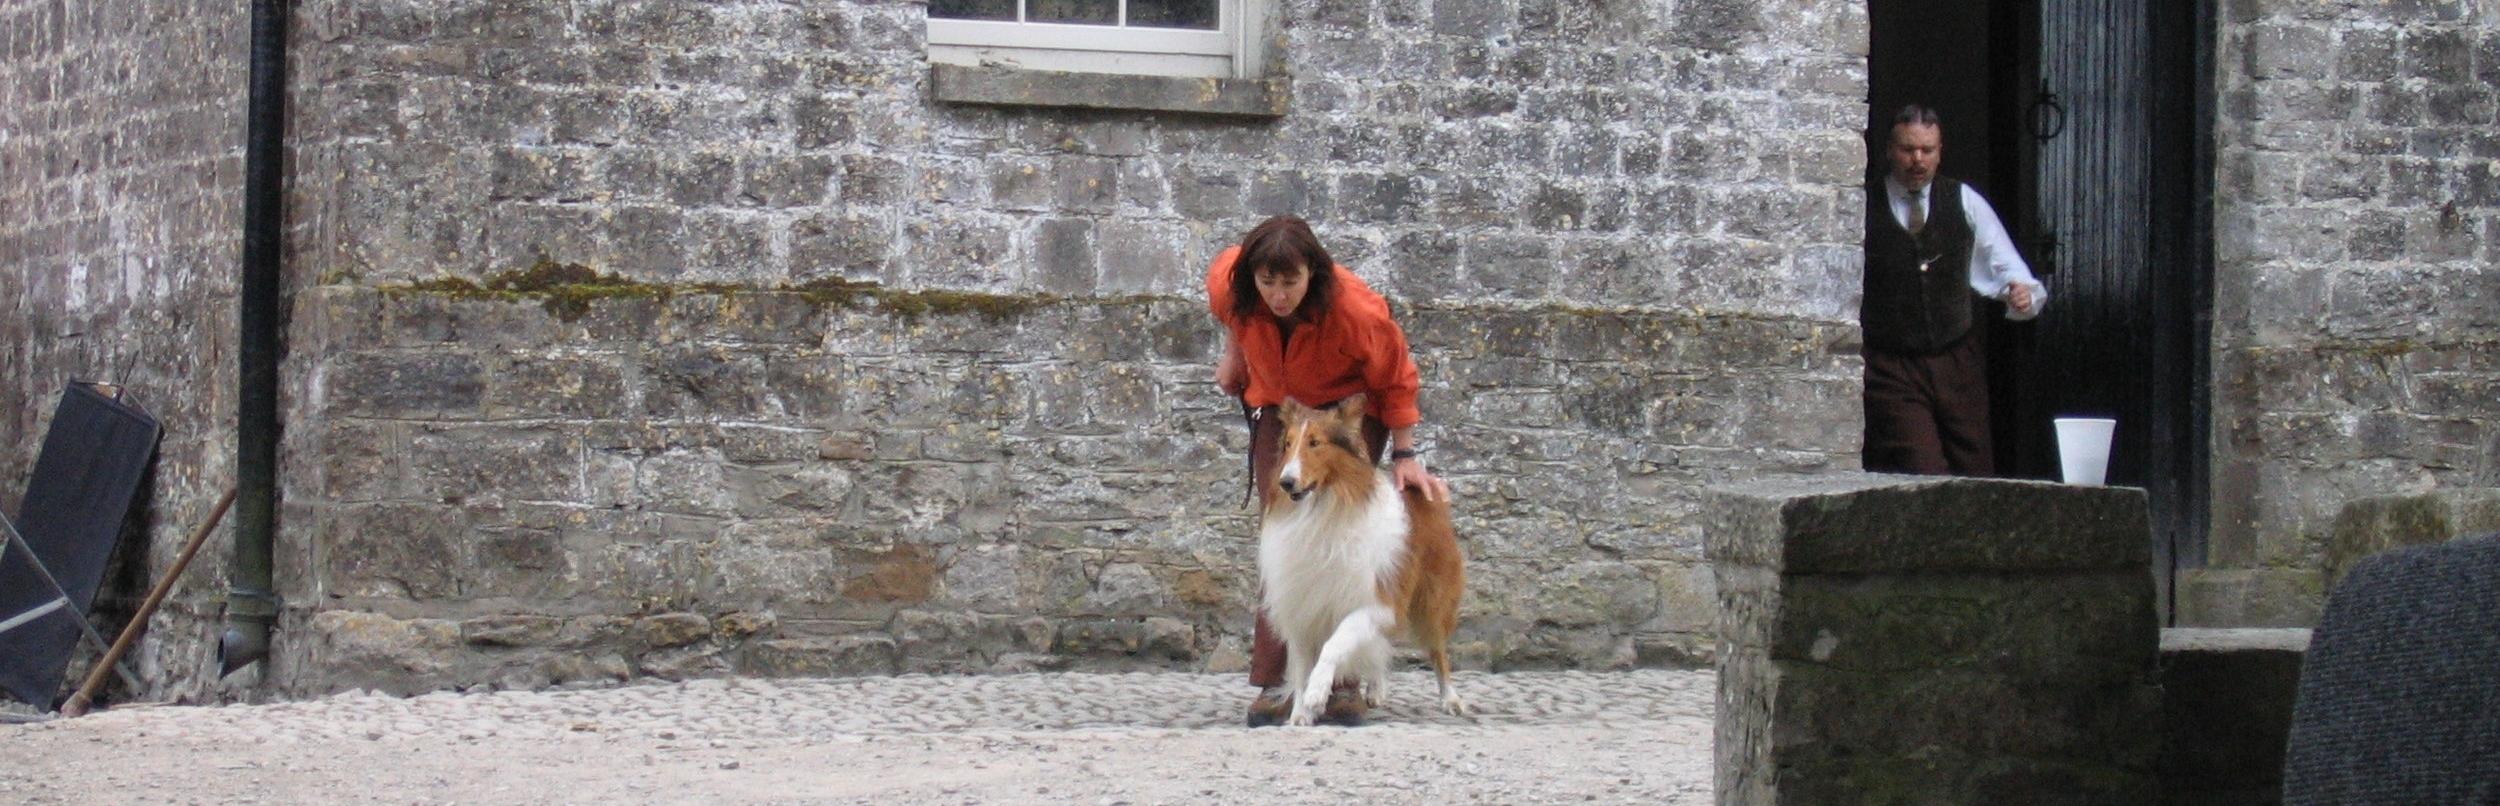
[[1350, 410], [1293, 410]]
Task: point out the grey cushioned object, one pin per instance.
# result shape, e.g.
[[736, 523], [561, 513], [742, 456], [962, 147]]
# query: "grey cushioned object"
[[2400, 691]]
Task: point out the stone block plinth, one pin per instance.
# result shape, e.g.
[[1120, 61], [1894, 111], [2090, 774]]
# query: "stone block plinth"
[[2227, 697], [1888, 639]]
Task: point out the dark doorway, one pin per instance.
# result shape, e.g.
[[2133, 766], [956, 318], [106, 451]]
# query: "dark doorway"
[[1958, 57], [2087, 125]]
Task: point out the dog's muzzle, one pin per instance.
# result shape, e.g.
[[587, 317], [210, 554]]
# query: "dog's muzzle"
[[1286, 484]]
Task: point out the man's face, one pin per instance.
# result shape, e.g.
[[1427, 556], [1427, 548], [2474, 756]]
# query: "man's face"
[[1915, 148]]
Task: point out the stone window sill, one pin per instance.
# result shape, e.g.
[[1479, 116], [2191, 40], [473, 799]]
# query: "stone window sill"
[[1001, 86]]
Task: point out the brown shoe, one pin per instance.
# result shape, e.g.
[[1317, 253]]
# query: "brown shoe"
[[1345, 706], [1271, 707]]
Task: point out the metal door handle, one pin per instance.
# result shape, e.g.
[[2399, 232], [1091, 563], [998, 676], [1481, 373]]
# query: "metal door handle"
[[2048, 116]]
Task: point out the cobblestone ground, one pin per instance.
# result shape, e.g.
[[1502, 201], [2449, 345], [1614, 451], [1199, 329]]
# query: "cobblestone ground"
[[1553, 737]]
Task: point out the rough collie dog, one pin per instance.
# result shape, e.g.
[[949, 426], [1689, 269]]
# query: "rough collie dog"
[[1348, 561]]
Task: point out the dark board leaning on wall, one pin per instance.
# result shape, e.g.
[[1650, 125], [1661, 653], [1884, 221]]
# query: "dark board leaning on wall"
[[94, 456]]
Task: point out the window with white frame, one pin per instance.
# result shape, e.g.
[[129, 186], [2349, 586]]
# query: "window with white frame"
[[1190, 38]]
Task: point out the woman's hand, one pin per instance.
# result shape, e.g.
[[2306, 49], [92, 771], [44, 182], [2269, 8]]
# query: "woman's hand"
[[1231, 374], [1410, 473]]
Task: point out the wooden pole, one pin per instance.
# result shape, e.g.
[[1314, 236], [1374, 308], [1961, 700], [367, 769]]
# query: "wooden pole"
[[77, 704]]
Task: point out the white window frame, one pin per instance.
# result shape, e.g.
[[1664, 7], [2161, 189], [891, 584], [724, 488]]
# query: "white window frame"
[[1233, 50]]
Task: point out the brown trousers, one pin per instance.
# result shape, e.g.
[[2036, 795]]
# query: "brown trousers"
[[1928, 414], [1267, 440]]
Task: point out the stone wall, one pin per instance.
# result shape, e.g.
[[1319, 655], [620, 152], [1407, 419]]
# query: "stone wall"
[[785, 484], [2372, 525], [654, 338], [2356, 317], [1890, 639], [1682, 173], [120, 158]]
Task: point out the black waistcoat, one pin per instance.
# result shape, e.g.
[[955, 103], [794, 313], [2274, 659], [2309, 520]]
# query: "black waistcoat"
[[1908, 309]]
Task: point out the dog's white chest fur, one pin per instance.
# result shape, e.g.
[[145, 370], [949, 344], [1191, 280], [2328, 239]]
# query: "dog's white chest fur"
[[1321, 559]]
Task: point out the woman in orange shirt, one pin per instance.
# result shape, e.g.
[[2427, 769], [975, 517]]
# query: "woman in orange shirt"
[[1300, 326]]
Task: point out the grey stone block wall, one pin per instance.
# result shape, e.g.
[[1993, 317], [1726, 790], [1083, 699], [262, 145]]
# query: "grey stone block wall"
[[2373, 525], [1620, 236], [1681, 168], [1702, 156], [120, 160], [2361, 527], [521, 500], [2357, 316], [1889, 639]]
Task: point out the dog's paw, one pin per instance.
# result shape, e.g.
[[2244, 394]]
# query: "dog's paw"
[[1373, 698], [1302, 718], [1456, 707]]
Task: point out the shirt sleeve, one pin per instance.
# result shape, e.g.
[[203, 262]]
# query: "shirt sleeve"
[[1994, 265]]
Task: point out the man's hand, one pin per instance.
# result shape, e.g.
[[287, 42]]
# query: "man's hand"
[[1231, 374], [1410, 473], [2018, 295]]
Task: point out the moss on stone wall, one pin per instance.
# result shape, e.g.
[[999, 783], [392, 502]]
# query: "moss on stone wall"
[[993, 307], [547, 275], [567, 290], [836, 292]]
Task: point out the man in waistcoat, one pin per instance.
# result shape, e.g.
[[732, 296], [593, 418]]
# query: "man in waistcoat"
[[1933, 246]]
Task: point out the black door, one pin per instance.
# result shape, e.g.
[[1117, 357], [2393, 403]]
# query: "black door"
[[2116, 220], [2085, 122]]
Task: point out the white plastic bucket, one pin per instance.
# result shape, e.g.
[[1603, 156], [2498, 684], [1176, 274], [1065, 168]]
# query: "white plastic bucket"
[[2083, 448]]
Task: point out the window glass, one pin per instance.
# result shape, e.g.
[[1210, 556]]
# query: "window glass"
[[1079, 12], [1199, 14], [974, 9], [1182, 38]]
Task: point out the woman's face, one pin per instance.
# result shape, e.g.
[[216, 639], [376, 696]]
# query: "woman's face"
[[1282, 289]]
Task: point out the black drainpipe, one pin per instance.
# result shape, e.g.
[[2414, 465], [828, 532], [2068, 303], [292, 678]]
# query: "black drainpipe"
[[252, 601]]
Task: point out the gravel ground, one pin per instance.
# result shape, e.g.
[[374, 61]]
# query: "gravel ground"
[[1538, 737]]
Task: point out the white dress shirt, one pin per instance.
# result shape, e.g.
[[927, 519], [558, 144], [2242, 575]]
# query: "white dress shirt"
[[1994, 265]]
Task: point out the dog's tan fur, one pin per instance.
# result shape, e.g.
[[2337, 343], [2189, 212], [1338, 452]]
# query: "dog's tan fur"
[[1345, 570]]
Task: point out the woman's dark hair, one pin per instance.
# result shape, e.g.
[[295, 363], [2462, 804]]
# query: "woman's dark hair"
[[1280, 244]]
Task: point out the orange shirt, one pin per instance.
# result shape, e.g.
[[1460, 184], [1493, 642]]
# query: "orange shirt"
[[1356, 347]]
